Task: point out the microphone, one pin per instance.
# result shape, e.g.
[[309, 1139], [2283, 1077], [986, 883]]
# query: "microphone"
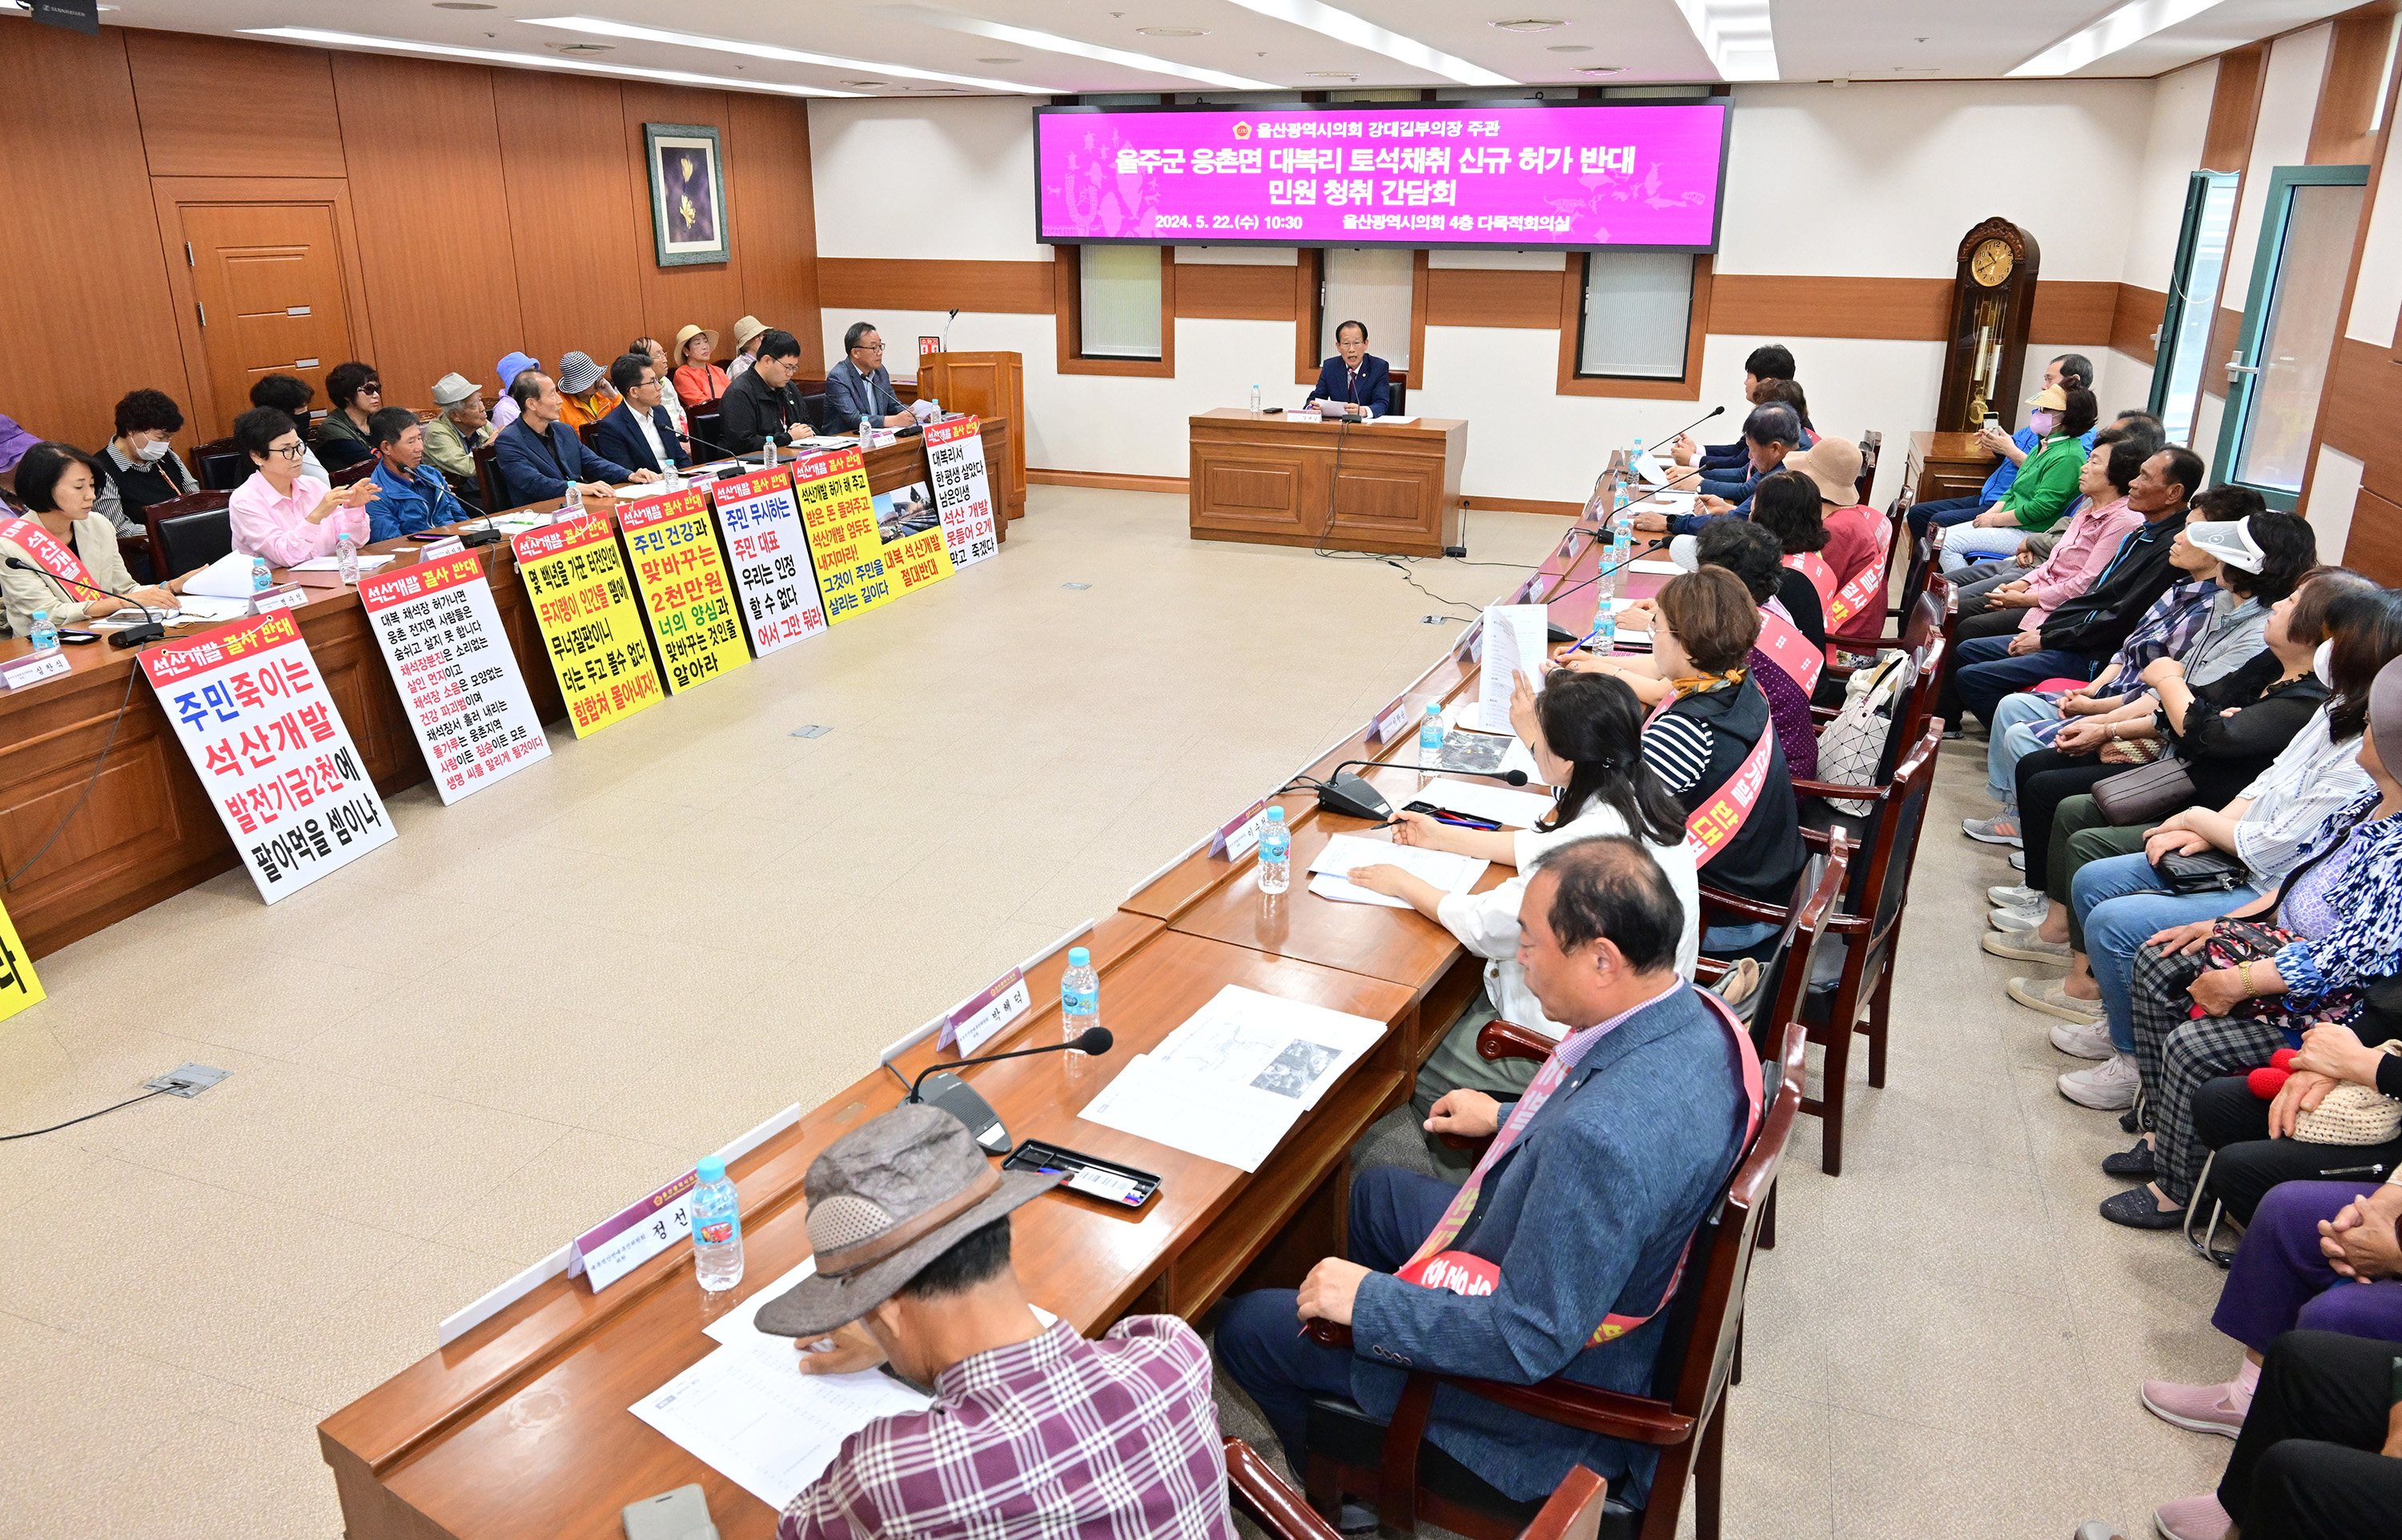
[[150, 630], [959, 1099], [1353, 797], [1715, 411]]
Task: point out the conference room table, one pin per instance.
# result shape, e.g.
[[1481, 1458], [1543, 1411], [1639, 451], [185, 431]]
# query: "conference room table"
[[145, 830], [520, 1426]]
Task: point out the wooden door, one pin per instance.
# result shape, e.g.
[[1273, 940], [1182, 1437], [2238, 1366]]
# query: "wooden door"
[[988, 385], [267, 281]]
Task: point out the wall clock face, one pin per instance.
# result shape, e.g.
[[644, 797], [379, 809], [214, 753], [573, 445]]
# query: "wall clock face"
[[1991, 262]]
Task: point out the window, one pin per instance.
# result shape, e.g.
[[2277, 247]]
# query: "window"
[[2183, 349], [1373, 286], [1631, 323], [2291, 320], [1115, 309]]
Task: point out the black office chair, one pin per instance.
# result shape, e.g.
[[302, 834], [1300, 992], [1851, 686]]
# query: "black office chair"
[[190, 541], [814, 408], [219, 466], [488, 478], [1400, 394]]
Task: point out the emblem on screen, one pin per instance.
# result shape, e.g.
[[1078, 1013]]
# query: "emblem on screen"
[[1242, 130]]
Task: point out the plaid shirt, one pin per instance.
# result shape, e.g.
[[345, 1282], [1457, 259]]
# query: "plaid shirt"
[[1040, 1440]]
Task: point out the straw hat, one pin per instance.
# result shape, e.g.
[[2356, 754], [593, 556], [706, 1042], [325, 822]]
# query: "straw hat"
[[747, 328], [2051, 398], [1834, 465], [686, 336]]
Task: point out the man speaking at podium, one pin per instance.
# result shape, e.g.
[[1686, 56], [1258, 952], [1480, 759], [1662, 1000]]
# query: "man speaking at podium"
[[1354, 382]]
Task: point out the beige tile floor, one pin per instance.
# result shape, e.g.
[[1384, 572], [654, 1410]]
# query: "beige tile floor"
[[538, 1003]]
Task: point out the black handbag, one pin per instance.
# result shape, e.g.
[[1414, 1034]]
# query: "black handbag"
[[2203, 871], [2146, 794]]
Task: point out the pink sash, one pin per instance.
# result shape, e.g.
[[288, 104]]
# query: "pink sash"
[[1811, 565], [1710, 826], [1866, 588], [1465, 1273], [48, 552], [1788, 649]]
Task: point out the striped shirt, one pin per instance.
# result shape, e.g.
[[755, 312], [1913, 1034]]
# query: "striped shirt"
[[2301, 789], [1678, 750], [1052, 1438]]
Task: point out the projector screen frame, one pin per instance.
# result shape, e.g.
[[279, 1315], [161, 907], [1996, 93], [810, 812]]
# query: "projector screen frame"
[[1722, 103]]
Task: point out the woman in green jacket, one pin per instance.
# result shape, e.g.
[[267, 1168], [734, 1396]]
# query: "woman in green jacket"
[[2046, 484]]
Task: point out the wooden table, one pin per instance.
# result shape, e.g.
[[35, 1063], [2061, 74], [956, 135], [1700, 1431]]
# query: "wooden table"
[[1290, 480], [521, 1427], [147, 830], [1947, 465]]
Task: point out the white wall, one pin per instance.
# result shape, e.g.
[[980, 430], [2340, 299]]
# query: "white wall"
[[2377, 297], [2335, 492], [2290, 99], [1872, 181], [2172, 154]]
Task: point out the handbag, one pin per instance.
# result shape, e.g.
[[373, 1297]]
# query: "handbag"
[[2234, 943], [2351, 1115], [2201, 871], [2145, 795], [1852, 747]]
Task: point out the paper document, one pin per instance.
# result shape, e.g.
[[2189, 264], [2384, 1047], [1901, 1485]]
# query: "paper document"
[[1450, 872], [1655, 569], [332, 564], [227, 577], [1268, 1043], [1236, 1126], [1515, 639], [1396, 421], [749, 1413], [1517, 810], [1649, 468]]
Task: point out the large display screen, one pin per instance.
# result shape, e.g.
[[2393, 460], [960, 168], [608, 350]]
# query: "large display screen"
[[1556, 174]]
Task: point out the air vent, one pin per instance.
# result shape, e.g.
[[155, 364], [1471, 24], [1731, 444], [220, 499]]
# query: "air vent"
[[1173, 31], [1530, 23], [581, 50]]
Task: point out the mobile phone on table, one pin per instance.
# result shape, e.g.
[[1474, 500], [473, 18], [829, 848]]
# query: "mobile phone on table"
[[1445, 814], [679, 1515]]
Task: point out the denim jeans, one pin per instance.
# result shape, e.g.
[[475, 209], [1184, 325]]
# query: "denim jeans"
[[1962, 547], [2120, 904], [2012, 741], [1987, 672]]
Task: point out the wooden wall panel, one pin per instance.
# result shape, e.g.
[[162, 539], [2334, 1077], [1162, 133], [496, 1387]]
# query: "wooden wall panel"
[[2355, 68], [1210, 291], [707, 292], [869, 282], [2133, 318], [440, 266], [2362, 402], [2071, 312], [84, 307], [1492, 297], [775, 220], [2375, 545], [220, 106], [564, 153], [2235, 109], [1905, 310]]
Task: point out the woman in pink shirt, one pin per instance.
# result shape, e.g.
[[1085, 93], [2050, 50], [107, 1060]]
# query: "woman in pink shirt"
[[280, 513], [2101, 522]]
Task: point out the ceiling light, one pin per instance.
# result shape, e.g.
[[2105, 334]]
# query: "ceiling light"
[[528, 60], [633, 33], [1602, 69], [1344, 27], [2124, 27], [1172, 32], [463, 4], [1529, 24], [583, 47], [1568, 47], [1026, 38], [1002, 60], [1736, 34], [867, 82], [1334, 75]]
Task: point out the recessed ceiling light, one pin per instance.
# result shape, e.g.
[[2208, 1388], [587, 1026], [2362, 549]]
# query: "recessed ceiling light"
[[1530, 23], [463, 4], [1344, 27], [1172, 32], [2124, 27], [1053, 43], [583, 47], [367, 42], [632, 32], [1568, 47], [867, 83], [1002, 60], [1602, 69]]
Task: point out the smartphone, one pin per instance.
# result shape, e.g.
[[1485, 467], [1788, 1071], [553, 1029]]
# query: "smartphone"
[[1458, 820], [1993, 420], [679, 1515], [1271, 411]]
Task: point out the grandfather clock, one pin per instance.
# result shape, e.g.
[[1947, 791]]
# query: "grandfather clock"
[[1992, 299]]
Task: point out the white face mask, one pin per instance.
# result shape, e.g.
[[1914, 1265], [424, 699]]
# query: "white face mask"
[[2322, 661], [154, 452]]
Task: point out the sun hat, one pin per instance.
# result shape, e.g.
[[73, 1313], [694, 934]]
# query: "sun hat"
[[885, 1200], [747, 328], [514, 365], [1834, 465], [2051, 398], [687, 335], [2227, 539], [577, 372], [452, 389]]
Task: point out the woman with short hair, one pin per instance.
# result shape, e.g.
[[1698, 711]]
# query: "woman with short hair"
[[69, 543], [356, 393]]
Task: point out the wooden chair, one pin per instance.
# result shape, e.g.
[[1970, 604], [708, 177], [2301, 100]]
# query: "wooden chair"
[[590, 435], [350, 475], [178, 507], [488, 478], [1406, 1476], [1573, 1511]]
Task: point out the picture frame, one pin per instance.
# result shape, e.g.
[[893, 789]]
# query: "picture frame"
[[688, 213]]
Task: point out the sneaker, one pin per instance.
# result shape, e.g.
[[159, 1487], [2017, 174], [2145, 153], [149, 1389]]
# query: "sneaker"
[[2052, 998], [2001, 829], [2018, 896], [2001, 919], [2196, 1409], [2026, 947], [2078, 1039], [2018, 860], [2107, 1087], [2193, 1519]]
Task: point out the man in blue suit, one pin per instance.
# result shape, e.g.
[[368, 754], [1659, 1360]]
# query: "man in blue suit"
[[1583, 1207], [1355, 379], [538, 457], [638, 432], [414, 495], [859, 385]]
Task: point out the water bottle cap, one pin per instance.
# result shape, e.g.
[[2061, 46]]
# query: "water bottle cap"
[[1434, 708], [711, 1169], [1276, 815], [1079, 958]]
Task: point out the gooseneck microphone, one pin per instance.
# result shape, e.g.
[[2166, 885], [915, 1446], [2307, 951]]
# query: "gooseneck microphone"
[[940, 1086], [1354, 797], [152, 630]]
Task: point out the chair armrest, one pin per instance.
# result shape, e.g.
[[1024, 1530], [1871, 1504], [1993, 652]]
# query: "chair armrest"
[[1501, 1040], [1260, 1492], [1829, 791], [1635, 1417], [1723, 902], [1823, 713], [1709, 969]]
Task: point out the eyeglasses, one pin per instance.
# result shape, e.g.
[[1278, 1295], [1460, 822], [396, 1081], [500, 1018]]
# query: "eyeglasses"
[[289, 451], [871, 347]]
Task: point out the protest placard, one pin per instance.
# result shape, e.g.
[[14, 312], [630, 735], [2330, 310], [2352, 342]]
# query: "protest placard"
[[962, 493], [686, 595], [840, 515], [458, 680], [769, 558], [583, 605]]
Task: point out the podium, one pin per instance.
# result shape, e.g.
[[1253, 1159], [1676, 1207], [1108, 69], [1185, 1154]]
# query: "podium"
[[1392, 488], [988, 385]]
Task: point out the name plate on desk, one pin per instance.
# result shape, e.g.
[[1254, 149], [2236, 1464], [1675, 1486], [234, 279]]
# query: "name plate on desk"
[[20, 672], [449, 546], [634, 1235], [1240, 836], [977, 1020], [289, 595], [1392, 721]]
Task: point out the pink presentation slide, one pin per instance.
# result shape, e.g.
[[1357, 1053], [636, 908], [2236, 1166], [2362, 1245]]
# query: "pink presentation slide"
[[1459, 174]]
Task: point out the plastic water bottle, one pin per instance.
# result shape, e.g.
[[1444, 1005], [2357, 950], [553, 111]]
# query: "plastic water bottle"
[[262, 577], [573, 502], [1255, 401], [1430, 738], [866, 433], [716, 1227], [1276, 853], [43, 636], [1079, 995], [346, 559]]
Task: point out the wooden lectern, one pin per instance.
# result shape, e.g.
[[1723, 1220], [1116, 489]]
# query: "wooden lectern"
[[988, 385]]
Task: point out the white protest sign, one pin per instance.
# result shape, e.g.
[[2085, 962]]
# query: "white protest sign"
[[450, 662], [962, 492], [769, 558]]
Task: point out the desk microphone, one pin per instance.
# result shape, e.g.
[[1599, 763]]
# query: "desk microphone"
[[150, 630], [1353, 797], [959, 1099], [1715, 411]]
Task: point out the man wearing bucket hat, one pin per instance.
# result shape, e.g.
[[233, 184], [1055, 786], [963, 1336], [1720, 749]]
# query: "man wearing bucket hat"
[[1034, 1431], [460, 428], [747, 332], [585, 396]]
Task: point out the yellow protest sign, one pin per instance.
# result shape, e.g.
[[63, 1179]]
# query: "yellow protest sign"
[[583, 606], [684, 589], [844, 547], [19, 988]]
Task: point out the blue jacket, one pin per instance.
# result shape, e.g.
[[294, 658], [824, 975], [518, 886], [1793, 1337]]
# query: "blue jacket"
[[620, 437], [1372, 390], [1587, 1215], [851, 395], [421, 501], [533, 473]]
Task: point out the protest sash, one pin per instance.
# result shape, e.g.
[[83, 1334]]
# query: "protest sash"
[[1811, 565], [53, 558], [1788, 649]]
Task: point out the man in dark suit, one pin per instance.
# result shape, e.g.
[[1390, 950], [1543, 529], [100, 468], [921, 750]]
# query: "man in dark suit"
[[538, 457], [1355, 379], [859, 385], [637, 430], [761, 405]]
